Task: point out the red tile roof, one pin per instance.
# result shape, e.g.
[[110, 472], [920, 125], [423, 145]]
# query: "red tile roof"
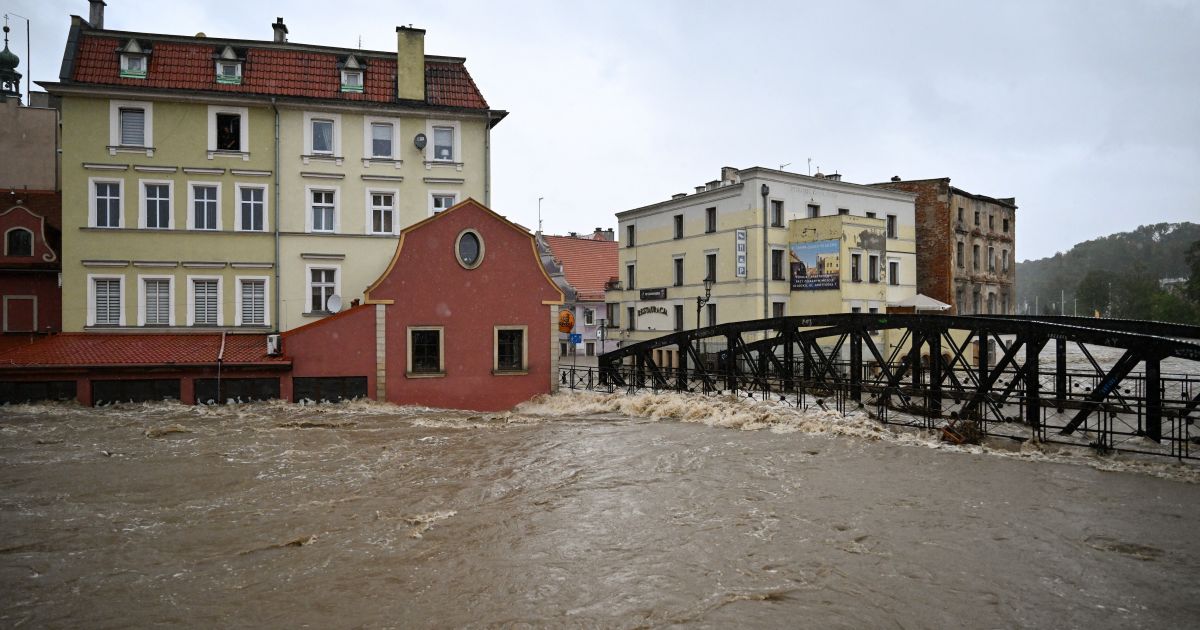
[[274, 71], [118, 349], [587, 263]]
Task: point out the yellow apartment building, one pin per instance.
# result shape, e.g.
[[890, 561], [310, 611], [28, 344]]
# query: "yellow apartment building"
[[774, 244], [243, 184]]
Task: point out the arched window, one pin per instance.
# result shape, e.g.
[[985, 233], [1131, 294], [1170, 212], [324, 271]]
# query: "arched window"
[[18, 242]]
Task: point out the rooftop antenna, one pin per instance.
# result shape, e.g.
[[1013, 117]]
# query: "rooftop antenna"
[[540, 214], [360, 42], [782, 166]]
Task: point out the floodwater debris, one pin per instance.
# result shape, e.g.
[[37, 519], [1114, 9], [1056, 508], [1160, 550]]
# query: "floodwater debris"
[[157, 432], [295, 542]]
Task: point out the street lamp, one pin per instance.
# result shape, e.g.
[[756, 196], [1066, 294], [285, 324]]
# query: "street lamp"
[[701, 301]]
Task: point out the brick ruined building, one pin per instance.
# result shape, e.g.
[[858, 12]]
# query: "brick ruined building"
[[967, 246]]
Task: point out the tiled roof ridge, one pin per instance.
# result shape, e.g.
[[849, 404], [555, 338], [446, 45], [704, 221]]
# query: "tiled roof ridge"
[[257, 43]]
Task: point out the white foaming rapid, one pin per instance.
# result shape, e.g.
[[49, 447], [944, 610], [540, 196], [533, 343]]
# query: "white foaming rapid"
[[750, 414]]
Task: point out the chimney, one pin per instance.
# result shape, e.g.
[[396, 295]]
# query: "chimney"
[[604, 235], [96, 14], [895, 178], [678, 195], [835, 177], [700, 189], [729, 175], [280, 30], [410, 63], [713, 185]]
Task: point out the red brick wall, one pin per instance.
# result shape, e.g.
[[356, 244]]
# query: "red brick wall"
[[935, 236]]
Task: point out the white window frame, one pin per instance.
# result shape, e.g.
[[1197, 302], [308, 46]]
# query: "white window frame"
[[337, 135], [308, 208], [337, 286], [114, 126], [369, 204], [92, 181], [266, 280], [348, 87], [238, 187], [142, 298], [524, 369], [126, 73], [893, 281], [142, 218], [678, 261], [408, 347], [368, 138], [191, 302], [783, 265], [243, 131], [191, 206], [443, 193], [225, 79], [589, 316], [457, 157], [91, 298]]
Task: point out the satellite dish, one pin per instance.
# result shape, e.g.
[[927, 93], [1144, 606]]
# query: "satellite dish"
[[419, 140], [334, 304]]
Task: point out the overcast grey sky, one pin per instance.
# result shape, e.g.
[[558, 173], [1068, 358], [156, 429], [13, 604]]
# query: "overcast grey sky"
[[1087, 112]]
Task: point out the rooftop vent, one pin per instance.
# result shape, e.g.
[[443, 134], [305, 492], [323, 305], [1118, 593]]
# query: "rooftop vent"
[[678, 195]]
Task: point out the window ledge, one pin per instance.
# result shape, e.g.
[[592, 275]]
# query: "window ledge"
[[425, 374], [322, 157], [370, 161], [113, 150], [429, 164], [245, 155], [510, 372], [316, 314]]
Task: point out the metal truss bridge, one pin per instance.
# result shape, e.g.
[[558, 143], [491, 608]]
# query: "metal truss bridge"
[[1075, 380]]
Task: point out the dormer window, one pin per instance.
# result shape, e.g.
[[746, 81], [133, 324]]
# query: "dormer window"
[[352, 74], [229, 67], [352, 81], [134, 60]]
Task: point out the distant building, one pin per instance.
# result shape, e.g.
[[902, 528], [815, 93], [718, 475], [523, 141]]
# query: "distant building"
[[967, 256], [831, 247], [588, 263], [239, 185]]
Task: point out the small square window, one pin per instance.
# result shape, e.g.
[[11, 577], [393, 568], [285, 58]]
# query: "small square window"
[[383, 209], [814, 211], [18, 242], [510, 350], [777, 213], [322, 284], [133, 66], [425, 351], [352, 81], [229, 72], [441, 202]]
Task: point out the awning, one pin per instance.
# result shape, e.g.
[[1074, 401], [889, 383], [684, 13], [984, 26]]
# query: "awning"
[[922, 302]]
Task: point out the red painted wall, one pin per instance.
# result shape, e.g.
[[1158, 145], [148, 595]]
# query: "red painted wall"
[[44, 286], [341, 345], [36, 275], [430, 288]]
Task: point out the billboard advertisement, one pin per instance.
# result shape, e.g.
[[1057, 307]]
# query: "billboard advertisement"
[[816, 265]]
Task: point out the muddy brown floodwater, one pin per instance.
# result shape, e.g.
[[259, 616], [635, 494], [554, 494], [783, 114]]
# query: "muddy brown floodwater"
[[581, 510]]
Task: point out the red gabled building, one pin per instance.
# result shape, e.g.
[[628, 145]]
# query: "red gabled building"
[[588, 263], [30, 261]]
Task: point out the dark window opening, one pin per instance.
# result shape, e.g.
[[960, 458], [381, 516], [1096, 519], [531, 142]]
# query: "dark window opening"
[[229, 132]]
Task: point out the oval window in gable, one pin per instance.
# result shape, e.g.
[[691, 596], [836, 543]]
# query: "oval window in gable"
[[469, 249]]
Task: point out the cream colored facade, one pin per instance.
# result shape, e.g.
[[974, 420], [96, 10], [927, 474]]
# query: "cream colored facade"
[[702, 230], [358, 247], [181, 204]]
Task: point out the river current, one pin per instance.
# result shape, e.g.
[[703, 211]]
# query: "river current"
[[576, 510]]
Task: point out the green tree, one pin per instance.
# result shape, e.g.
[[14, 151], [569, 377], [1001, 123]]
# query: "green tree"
[[1093, 292], [1192, 288]]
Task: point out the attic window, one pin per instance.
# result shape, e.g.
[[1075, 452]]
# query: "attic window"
[[352, 74], [134, 60], [352, 81], [229, 67]]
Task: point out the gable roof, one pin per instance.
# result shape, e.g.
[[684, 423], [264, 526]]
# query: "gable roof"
[[132, 350], [586, 262], [271, 69]]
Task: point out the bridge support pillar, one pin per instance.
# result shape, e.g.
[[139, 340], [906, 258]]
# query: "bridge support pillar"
[[1153, 399], [1060, 372], [731, 379], [856, 369], [789, 358], [681, 375], [935, 373], [1033, 404]]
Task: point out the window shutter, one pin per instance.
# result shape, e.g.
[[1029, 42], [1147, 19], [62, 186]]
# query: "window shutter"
[[253, 302], [108, 301], [205, 302], [133, 127]]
